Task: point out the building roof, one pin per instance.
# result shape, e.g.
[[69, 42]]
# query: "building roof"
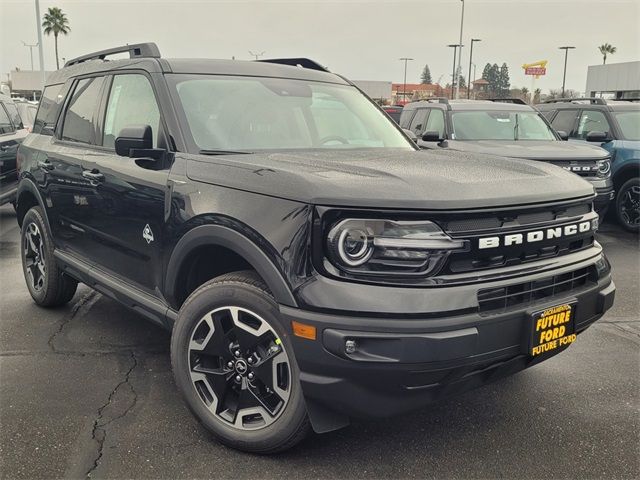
[[480, 81], [416, 87]]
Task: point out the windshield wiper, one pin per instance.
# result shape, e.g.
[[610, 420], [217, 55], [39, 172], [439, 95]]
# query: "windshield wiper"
[[515, 129], [223, 152]]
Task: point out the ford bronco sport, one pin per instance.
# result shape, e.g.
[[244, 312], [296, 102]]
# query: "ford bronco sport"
[[313, 264]]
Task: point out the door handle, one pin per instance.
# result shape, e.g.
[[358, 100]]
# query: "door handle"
[[46, 165], [94, 175]]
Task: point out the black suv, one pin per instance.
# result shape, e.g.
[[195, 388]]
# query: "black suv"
[[615, 125], [312, 263], [12, 132], [509, 128]]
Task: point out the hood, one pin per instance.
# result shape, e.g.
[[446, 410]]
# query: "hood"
[[390, 178], [532, 149]]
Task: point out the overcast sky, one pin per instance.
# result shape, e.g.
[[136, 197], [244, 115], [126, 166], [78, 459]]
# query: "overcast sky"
[[360, 39]]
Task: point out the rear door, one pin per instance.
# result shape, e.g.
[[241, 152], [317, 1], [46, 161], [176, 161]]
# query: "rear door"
[[11, 134]]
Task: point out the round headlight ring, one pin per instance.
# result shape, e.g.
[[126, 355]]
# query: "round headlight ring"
[[354, 247]]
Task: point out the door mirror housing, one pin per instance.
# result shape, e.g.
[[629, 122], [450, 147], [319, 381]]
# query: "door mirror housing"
[[596, 137], [563, 135], [431, 136], [410, 134], [134, 138]]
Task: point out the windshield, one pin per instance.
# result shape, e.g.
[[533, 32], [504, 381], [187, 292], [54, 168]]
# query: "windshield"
[[629, 124], [251, 113], [500, 125]]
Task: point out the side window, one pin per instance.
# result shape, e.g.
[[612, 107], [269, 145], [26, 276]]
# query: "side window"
[[131, 102], [435, 123], [405, 118], [5, 121], [12, 110], [417, 124], [592, 121], [48, 109], [80, 118], [548, 114], [564, 120]]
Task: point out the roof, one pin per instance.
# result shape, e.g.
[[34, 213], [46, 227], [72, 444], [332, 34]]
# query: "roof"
[[480, 81], [591, 104], [460, 105], [416, 87]]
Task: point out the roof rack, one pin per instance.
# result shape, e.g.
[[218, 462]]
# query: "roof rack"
[[516, 101], [138, 50], [297, 62], [625, 99], [591, 100]]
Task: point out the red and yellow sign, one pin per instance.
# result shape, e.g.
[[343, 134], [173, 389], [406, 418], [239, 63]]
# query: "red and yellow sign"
[[536, 69]]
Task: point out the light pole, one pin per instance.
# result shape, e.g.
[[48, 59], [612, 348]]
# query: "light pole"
[[256, 55], [40, 51], [564, 74], [404, 88], [453, 74], [30, 50], [459, 68], [470, 62]]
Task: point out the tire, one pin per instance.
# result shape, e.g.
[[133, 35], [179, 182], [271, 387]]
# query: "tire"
[[212, 343], [628, 205], [47, 284]]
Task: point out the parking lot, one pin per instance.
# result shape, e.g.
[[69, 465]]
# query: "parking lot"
[[87, 390]]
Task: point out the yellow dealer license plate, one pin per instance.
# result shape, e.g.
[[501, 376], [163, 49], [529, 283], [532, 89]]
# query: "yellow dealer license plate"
[[553, 329]]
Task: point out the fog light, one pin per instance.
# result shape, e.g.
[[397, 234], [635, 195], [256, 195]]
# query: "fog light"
[[350, 346]]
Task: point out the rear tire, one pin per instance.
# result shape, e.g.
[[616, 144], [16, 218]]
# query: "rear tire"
[[47, 284], [235, 367], [628, 205]]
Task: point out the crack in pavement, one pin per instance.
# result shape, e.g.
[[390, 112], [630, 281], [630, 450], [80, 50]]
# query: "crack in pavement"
[[619, 326], [99, 431], [82, 306]]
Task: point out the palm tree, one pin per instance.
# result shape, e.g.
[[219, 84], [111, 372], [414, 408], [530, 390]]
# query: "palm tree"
[[536, 95], [525, 94], [55, 22], [605, 49]]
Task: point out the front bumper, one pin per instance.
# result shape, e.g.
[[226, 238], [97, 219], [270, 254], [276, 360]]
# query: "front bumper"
[[405, 361], [603, 197]]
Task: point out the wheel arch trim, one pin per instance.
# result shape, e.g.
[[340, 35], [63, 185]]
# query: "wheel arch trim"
[[221, 236], [27, 185]]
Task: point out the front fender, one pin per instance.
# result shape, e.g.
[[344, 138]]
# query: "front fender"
[[222, 236]]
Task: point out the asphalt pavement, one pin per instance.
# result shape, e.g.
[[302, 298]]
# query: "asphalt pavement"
[[86, 390]]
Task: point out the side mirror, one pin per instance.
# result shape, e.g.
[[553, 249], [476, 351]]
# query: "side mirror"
[[410, 134], [132, 138], [431, 136], [596, 137], [563, 135]]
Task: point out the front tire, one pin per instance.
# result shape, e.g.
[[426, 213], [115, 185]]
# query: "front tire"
[[47, 284], [234, 365], [628, 205]]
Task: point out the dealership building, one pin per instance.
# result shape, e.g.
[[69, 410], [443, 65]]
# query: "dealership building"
[[616, 80]]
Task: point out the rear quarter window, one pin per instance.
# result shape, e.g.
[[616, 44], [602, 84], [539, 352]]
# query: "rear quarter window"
[[48, 110]]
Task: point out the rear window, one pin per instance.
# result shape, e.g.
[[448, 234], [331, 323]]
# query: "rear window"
[[79, 119], [14, 115], [48, 109]]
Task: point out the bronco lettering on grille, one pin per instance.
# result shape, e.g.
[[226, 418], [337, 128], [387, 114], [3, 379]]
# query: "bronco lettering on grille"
[[533, 236]]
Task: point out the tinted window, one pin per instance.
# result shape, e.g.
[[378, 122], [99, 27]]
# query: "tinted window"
[[564, 121], [405, 118], [592, 121], [418, 121], [48, 109], [435, 123], [629, 124], [14, 115], [79, 119], [5, 122], [131, 102]]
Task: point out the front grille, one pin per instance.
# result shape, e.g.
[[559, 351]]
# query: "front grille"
[[497, 300], [584, 168]]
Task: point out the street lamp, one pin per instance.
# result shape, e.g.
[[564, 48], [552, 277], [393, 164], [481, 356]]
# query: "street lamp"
[[31, 47], [40, 51], [470, 62], [459, 68], [404, 88], [453, 74], [564, 75]]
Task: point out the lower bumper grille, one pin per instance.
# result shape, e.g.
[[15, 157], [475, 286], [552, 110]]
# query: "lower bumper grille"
[[497, 300]]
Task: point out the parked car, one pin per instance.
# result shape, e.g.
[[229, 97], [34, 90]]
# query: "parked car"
[[12, 132], [394, 111], [312, 263], [508, 128], [27, 111], [614, 125]]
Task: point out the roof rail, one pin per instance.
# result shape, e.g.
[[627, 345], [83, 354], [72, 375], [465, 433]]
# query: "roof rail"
[[625, 99], [517, 101], [297, 62], [137, 50], [591, 100]]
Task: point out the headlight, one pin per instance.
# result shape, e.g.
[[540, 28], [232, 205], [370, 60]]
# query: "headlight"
[[388, 247], [604, 168]]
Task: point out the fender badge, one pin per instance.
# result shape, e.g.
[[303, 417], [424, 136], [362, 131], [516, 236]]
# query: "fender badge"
[[147, 234]]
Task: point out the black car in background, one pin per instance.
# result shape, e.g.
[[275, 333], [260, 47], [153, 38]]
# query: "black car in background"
[[394, 111], [508, 128], [12, 132], [615, 126]]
